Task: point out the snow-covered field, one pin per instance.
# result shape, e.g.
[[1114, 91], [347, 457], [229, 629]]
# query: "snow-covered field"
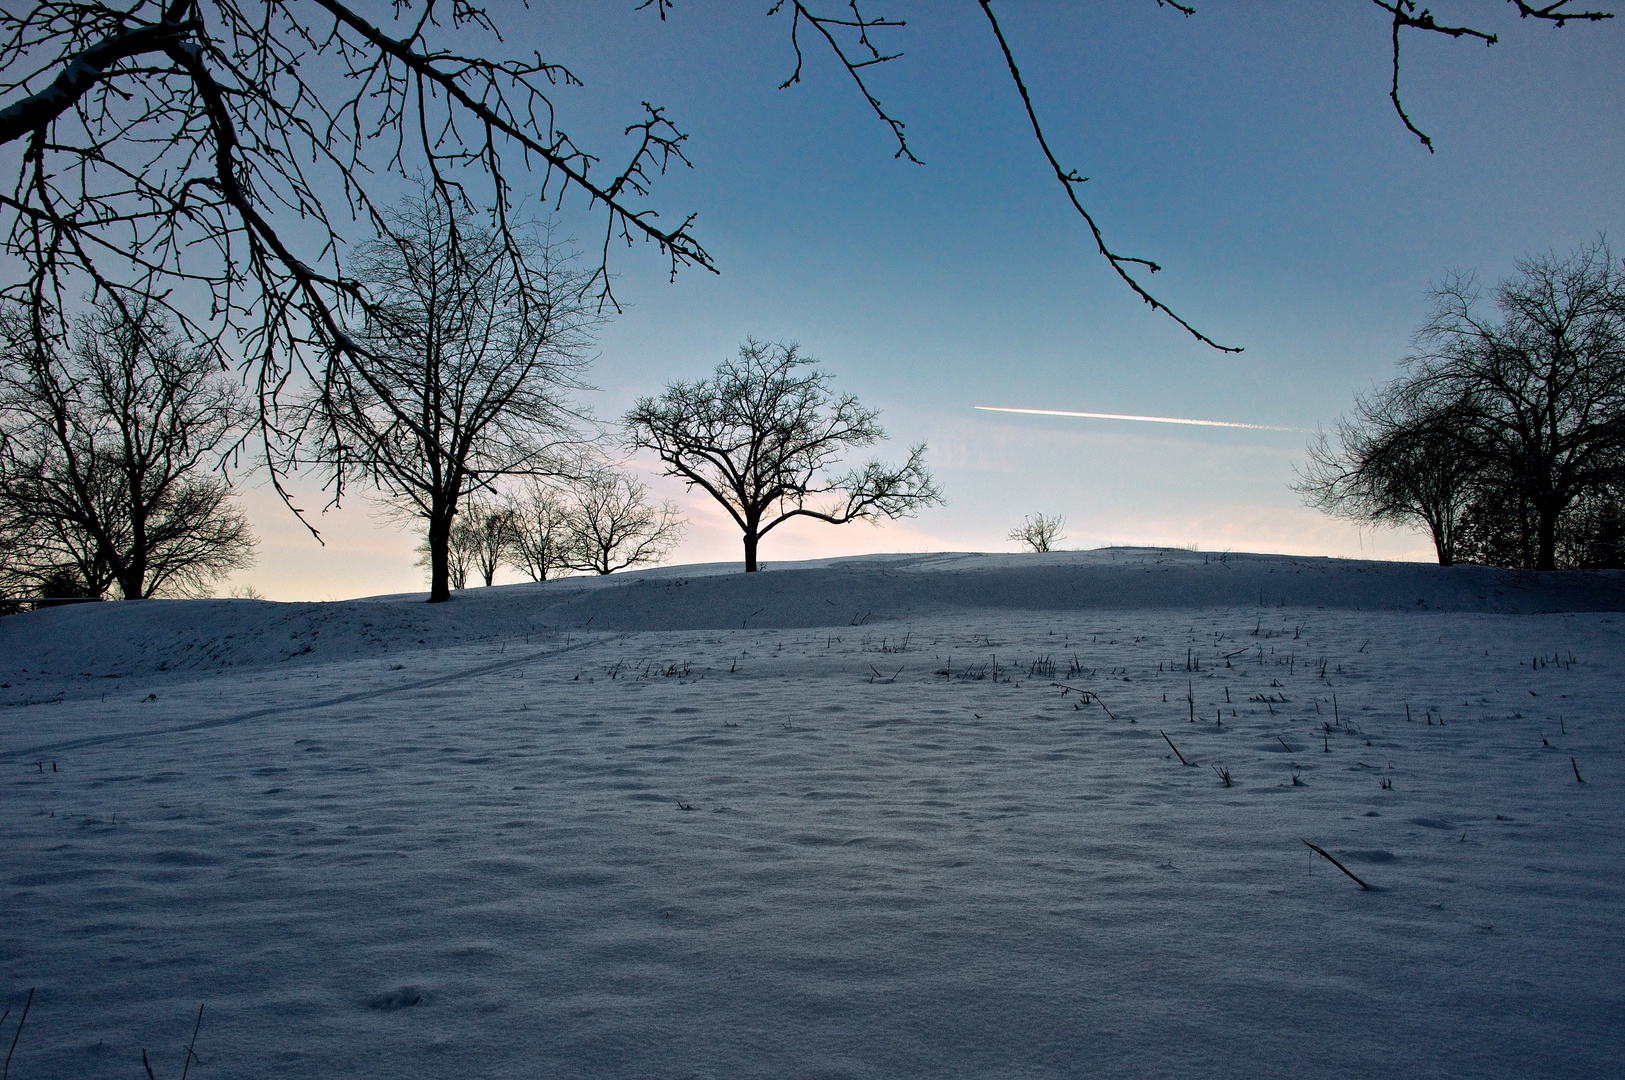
[[844, 819]]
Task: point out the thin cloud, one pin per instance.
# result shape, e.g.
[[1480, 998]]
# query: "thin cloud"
[[1142, 419]]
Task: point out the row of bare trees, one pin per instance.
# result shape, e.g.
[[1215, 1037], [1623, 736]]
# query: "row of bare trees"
[[1504, 435], [471, 352], [459, 385], [599, 523], [762, 435], [462, 379]]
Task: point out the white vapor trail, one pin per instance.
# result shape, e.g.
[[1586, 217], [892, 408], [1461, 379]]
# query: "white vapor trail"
[[1143, 419]]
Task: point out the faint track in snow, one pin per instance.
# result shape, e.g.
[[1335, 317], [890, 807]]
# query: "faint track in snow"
[[45, 749]]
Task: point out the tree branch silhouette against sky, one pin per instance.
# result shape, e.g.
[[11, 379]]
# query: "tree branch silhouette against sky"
[[1271, 159]]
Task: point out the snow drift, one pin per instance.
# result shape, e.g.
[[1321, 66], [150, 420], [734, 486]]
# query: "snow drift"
[[928, 816], [201, 635]]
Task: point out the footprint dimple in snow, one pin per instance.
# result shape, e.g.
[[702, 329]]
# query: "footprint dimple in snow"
[[404, 997], [1373, 856]]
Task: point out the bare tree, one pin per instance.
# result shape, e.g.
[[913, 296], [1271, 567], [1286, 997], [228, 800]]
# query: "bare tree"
[[1039, 532], [462, 373], [208, 153], [106, 462], [1543, 386], [53, 555], [1594, 533], [1401, 460], [476, 544], [612, 527], [480, 538], [1500, 423], [758, 437], [539, 537]]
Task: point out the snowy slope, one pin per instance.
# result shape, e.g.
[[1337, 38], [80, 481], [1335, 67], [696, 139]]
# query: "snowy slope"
[[902, 816], [205, 635]]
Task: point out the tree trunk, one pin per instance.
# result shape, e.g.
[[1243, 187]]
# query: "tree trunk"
[[130, 586], [1443, 543], [439, 560], [132, 571], [132, 576], [750, 551], [1546, 514]]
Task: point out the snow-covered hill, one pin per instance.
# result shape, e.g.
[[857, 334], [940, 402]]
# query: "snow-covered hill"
[[950, 815], [205, 635]]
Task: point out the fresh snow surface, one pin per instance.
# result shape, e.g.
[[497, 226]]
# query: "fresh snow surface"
[[881, 817]]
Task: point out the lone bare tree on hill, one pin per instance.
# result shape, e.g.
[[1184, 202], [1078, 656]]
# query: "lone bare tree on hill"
[[1039, 532], [758, 437]]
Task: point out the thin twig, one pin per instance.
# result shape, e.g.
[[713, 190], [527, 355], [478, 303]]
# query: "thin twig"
[[20, 1022], [190, 1056], [1171, 746], [1088, 695], [1322, 852]]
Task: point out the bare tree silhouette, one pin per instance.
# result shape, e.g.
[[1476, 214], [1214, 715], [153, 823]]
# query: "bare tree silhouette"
[[611, 526], [539, 534], [462, 375], [1039, 532], [1501, 422], [1544, 384], [107, 464], [1401, 460], [758, 435]]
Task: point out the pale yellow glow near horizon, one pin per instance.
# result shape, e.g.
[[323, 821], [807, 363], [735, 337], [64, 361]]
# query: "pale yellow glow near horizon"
[[1143, 419]]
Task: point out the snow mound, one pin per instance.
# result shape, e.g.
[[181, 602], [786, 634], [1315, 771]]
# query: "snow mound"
[[935, 816], [193, 635]]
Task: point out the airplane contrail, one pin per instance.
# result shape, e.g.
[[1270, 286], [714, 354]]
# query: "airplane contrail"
[[1143, 419]]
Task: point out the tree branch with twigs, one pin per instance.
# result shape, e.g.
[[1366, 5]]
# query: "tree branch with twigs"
[[206, 157]]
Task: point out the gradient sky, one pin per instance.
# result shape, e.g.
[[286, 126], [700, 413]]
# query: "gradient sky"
[[1251, 150]]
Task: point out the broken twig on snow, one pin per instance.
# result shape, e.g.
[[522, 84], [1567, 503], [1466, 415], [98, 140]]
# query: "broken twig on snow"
[[1088, 695], [1172, 747], [1322, 853]]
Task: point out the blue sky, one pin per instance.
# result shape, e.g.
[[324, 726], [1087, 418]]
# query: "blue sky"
[[1250, 149]]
